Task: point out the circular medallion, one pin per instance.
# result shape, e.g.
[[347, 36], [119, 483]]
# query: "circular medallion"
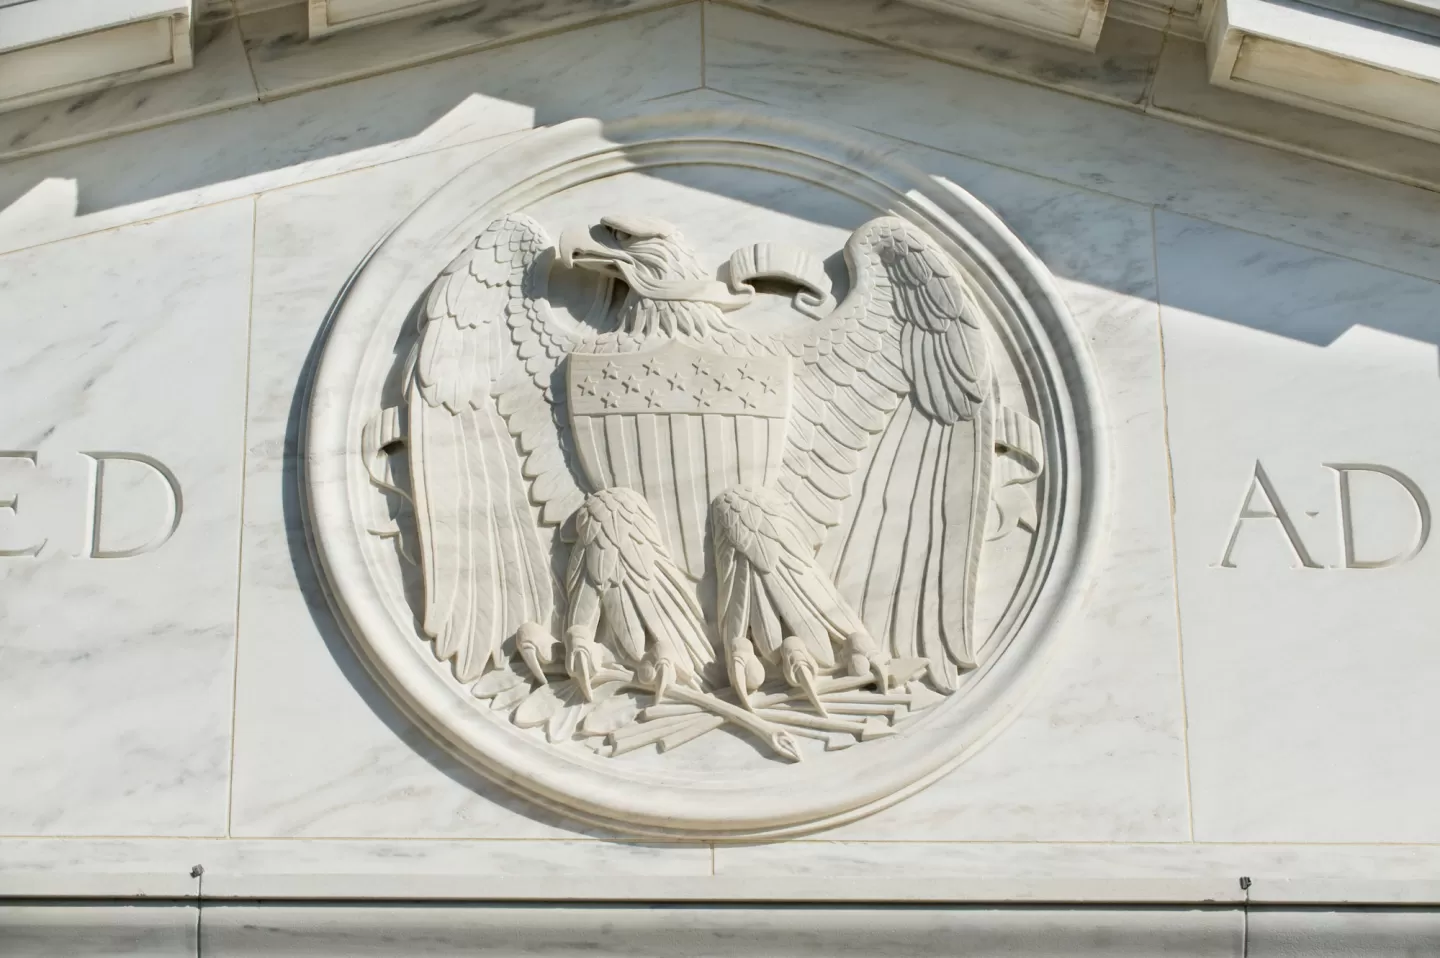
[[704, 475]]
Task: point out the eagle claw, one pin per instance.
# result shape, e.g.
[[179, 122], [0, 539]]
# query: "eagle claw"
[[582, 662]]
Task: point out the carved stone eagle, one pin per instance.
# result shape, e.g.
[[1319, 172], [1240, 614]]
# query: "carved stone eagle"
[[803, 510]]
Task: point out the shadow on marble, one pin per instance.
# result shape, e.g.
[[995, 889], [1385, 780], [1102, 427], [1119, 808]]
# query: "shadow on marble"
[[1118, 71], [219, 80], [1094, 146], [1287, 290], [598, 71], [286, 60], [405, 732], [1183, 92]]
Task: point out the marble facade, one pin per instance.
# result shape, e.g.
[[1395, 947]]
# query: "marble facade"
[[1226, 753]]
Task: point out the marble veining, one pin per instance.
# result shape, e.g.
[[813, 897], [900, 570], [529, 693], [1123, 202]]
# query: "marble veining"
[[1118, 70], [219, 80], [318, 748], [354, 125], [1183, 91], [286, 62], [1304, 635], [117, 670], [1083, 144], [1086, 788]]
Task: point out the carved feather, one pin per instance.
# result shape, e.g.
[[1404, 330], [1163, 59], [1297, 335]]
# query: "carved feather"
[[484, 322], [900, 374]]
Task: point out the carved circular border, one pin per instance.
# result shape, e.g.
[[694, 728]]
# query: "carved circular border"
[[1026, 309]]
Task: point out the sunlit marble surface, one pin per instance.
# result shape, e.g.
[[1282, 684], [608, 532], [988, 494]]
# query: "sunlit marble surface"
[[1241, 303], [1309, 674], [116, 672]]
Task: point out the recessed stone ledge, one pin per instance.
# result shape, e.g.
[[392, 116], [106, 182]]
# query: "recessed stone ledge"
[[328, 16], [1383, 74], [1074, 23], [51, 49]]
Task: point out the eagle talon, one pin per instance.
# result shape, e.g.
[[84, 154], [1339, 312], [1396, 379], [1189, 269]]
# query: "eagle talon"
[[866, 658], [800, 670], [537, 647], [747, 672], [581, 662]]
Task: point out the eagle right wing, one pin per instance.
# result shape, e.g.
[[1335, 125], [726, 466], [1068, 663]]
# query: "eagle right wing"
[[899, 376], [484, 442]]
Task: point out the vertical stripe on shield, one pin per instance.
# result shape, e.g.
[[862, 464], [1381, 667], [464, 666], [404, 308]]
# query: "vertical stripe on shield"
[[620, 447], [657, 472], [718, 454], [590, 443], [691, 504]]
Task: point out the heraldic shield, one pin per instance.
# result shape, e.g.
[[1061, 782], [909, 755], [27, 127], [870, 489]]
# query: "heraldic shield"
[[679, 425]]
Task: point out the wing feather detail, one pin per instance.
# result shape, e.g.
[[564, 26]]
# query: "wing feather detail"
[[898, 378], [485, 446]]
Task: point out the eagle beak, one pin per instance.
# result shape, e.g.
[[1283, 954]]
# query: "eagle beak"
[[579, 250]]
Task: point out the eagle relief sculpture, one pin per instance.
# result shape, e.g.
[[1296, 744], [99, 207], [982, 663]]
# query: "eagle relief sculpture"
[[640, 525]]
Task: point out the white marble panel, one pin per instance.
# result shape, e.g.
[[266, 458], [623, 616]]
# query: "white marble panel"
[[1310, 678], [599, 71], [116, 669], [1082, 143], [219, 80], [98, 931], [286, 63], [1098, 754], [1118, 70]]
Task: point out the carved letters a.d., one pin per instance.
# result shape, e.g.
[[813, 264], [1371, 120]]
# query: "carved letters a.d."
[[1262, 501]]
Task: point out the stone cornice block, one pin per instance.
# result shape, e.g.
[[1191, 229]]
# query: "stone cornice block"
[[50, 49], [327, 16], [1075, 23], [1381, 69]]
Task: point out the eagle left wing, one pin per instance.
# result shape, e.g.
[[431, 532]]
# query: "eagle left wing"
[[903, 366], [484, 435]]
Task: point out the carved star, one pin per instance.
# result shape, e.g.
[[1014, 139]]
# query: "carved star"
[[769, 387], [612, 371], [651, 367], [747, 401], [610, 401], [652, 398], [588, 386], [747, 376], [676, 381], [701, 367], [724, 383], [631, 385]]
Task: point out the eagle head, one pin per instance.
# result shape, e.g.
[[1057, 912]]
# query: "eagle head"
[[631, 247], [668, 291]]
